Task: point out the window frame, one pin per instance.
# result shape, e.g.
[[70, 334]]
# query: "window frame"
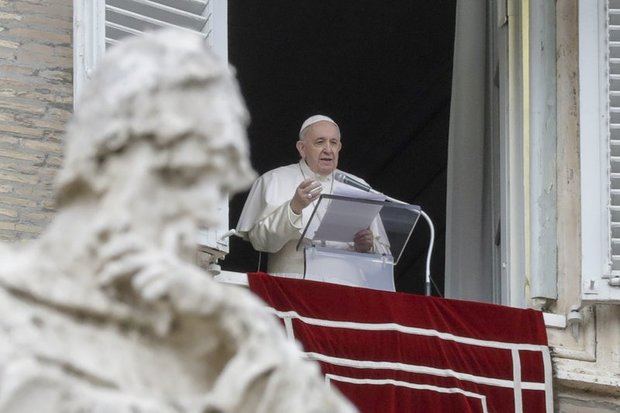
[[88, 41]]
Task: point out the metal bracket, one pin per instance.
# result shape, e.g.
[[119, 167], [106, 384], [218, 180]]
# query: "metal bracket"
[[214, 268], [574, 320], [589, 287]]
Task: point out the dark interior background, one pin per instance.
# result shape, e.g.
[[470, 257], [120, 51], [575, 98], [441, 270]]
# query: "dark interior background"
[[382, 70]]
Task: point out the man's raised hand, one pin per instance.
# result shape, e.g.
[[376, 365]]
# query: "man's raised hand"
[[306, 193]]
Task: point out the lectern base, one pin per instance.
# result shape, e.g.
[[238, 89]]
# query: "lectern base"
[[356, 269]]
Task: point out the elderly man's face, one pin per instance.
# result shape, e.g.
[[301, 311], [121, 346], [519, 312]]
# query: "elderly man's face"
[[320, 147]]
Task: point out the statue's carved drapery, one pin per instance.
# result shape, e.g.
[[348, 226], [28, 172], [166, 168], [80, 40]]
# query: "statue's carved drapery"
[[106, 311]]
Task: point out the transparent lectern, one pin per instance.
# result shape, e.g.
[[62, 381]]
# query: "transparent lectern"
[[327, 240]]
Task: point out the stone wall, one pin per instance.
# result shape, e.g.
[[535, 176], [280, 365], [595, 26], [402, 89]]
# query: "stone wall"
[[36, 99]]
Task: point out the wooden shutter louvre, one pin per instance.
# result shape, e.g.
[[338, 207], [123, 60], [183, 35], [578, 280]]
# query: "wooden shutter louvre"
[[613, 36], [131, 17]]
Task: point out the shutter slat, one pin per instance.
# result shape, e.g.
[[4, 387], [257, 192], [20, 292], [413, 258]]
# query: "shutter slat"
[[110, 42], [116, 31], [191, 6]]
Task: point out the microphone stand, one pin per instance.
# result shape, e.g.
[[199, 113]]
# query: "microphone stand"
[[427, 279]]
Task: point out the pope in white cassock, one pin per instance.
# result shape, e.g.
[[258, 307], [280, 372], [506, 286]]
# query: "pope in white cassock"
[[281, 201]]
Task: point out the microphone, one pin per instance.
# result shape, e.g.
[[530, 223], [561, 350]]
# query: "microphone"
[[347, 180]]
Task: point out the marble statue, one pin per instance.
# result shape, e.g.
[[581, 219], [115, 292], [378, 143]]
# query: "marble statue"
[[106, 311]]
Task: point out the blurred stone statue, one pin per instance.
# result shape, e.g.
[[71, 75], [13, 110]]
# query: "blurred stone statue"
[[106, 311]]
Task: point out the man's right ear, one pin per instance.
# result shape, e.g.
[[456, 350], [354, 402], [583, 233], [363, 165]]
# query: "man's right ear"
[[300, 148]]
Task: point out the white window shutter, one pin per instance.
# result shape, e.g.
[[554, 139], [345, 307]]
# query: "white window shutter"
[[99, 24], [599, 78]]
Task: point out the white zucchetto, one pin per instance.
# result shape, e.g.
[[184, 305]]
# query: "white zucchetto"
[[314, 119]]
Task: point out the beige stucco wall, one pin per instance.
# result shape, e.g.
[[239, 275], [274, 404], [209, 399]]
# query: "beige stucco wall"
[[36, 93]]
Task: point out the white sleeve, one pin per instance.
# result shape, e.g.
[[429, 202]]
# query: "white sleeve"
[[270, 233], [381, 243]]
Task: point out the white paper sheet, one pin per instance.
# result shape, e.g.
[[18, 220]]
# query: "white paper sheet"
[[341, 220]]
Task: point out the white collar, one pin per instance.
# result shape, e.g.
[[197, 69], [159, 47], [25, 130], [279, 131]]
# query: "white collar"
[[307, 172]]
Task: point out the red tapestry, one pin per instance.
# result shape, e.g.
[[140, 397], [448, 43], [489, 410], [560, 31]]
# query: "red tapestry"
[[395, 352]]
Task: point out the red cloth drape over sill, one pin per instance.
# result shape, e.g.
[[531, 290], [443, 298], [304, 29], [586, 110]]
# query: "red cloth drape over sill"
[[395, 352]]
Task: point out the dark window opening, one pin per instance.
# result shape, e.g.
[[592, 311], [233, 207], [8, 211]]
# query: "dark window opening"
[[382, 70]]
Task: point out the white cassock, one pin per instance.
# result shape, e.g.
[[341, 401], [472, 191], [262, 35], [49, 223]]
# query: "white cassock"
[[268, 222]]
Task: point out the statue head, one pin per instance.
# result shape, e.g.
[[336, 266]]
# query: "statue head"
[[159, 131]]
